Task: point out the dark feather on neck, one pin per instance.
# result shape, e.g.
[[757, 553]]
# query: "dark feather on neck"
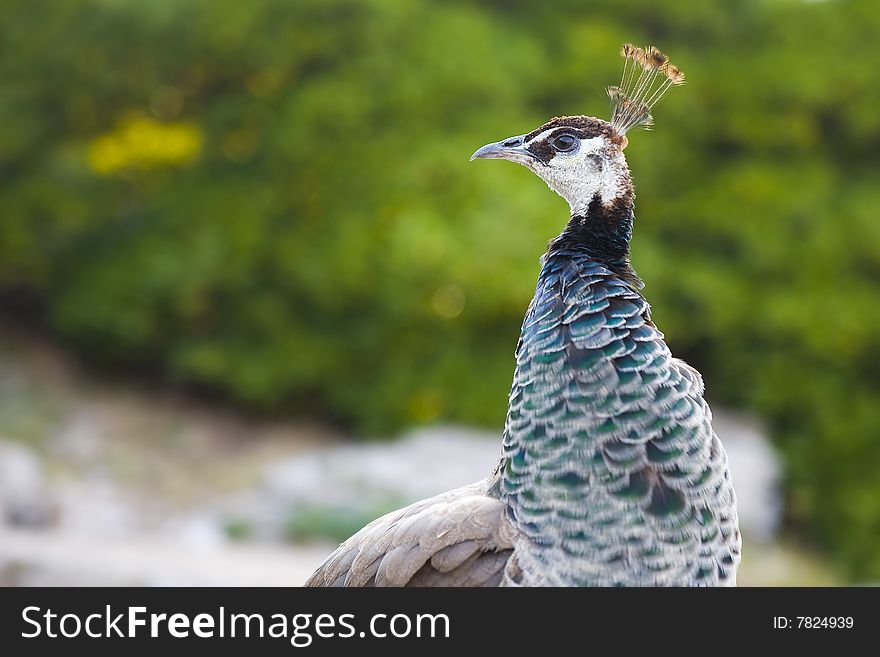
[[603, 232]]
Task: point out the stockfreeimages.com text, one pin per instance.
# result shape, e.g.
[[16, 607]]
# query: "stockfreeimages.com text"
[[299, 629]]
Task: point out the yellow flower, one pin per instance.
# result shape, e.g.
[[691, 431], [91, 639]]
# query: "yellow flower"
[[144, 143]]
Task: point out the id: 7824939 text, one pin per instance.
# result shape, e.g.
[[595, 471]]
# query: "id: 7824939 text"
[[813, 622]]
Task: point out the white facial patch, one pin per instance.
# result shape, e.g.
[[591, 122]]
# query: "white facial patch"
[[596, 167]]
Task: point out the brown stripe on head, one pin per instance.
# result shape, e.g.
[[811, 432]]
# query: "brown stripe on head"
[[584, 127]]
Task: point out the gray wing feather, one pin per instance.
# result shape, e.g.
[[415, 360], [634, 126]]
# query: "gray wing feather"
[[480, 569], [458, 538]]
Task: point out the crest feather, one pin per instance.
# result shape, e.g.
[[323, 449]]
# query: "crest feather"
[[647, 76]]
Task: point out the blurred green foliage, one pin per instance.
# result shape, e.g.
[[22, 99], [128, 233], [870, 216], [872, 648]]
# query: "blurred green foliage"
[[272, 200]]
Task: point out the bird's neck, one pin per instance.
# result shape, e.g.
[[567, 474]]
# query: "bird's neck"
[[603, 231]]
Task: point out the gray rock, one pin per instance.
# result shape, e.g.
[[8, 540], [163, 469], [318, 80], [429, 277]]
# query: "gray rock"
[[23, 498], [756, 473], [421, 464]]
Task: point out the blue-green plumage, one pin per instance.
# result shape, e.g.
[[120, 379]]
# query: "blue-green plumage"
[[609, 452]]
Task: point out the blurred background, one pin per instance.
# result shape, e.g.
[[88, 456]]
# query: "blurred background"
[[252, 295]]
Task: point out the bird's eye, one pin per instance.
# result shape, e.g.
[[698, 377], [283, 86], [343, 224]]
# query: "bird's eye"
[[564, 143]]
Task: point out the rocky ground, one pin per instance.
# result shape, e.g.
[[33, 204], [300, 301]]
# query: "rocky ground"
[[105, 482]]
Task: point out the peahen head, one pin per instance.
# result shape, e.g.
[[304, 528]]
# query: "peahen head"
[[581, 157]]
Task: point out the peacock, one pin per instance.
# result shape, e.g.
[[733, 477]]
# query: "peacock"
[[610, 472]]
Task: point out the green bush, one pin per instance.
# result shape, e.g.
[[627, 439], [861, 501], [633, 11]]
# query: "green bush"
[[272, 200]]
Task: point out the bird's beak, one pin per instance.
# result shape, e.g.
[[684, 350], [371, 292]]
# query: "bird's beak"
[[512, 149]]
